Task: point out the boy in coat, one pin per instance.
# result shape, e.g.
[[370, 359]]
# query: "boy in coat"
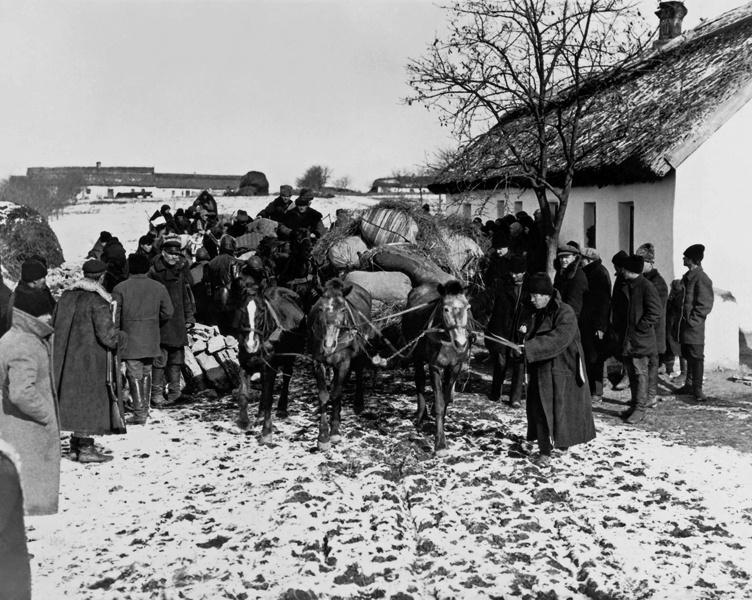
[[697, 304], [559, 411], [635, 310], [142, 305]]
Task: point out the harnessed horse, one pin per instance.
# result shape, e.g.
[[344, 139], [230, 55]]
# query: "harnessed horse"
[[338, 333], [271, 334], [443, 341]]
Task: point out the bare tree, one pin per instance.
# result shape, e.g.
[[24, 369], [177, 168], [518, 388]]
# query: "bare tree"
[[342, 183], [516, 78], [315, 177]]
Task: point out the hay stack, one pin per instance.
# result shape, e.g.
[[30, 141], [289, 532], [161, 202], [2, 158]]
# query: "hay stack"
[[23, 233]]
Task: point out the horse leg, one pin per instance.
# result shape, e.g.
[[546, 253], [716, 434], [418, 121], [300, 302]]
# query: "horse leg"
[[243, 394], [359, 402], [439, 406], [420, 390], [267, 399], [319, 370], [287, 365], [340, 377]]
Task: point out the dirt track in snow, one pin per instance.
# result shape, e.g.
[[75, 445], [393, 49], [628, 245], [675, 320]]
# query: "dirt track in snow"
[[192, 507]]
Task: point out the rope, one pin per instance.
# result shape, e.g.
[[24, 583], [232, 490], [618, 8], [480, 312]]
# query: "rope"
[[400, 313]]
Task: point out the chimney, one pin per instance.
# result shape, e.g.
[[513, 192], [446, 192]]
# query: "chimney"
[[99, 163], [671, 15]]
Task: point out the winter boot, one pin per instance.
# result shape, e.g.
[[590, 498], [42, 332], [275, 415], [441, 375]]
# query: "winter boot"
[[688, 387], [637, 415], [173, 385], [87, 453], [697, 372], [136, 387], [625, 414], [156, 394]]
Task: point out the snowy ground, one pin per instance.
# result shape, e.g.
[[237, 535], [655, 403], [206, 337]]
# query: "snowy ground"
[[193, 507], [78, 226]]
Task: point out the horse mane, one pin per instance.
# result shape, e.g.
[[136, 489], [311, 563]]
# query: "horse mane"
[[451, 288], [335, 287]]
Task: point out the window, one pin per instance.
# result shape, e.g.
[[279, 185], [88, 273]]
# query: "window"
[[88, 191], [517, 206], [110, 193], [626, 226], [501, 208], [589, 224], [173, 193], [467, 210]]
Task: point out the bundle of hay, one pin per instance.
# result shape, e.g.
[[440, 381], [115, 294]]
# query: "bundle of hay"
[[24, 233]]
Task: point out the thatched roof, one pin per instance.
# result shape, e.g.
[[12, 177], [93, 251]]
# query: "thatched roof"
[[643, 122]]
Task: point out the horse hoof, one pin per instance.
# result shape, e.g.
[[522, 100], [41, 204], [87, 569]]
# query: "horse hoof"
[[244, 425], [282, 415], [441, 453], [324, 446], [335, 439], [265, 439]]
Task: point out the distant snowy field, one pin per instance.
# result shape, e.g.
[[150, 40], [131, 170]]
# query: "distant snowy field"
[[78, 226]]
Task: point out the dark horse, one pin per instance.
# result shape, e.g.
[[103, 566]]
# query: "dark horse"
[[441, 328], [272, 333], [338, 334]]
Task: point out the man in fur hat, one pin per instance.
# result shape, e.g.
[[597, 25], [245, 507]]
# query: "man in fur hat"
[[571, 281], [647, 252], [84, 332], [698, 302], [277, 208], [635, 310], [303, 216]]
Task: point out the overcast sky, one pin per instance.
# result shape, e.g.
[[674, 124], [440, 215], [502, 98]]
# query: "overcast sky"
[[221, 86]]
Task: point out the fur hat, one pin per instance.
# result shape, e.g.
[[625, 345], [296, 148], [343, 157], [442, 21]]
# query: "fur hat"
[[31, 270], [567, 249], [540, 283], [94, 267], [285, 190], [618, 258], [171, 245], [138, 264], [145, 240], [633, 263], [695, 253], [304, 198], [647, 251], [517, 264], [32, 301], [591, 254]]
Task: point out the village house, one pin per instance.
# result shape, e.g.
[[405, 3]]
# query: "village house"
[[111, 183], [665, 161]]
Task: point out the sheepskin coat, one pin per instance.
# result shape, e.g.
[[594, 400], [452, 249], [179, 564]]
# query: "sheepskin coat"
[[557, 376], [84, 331], [15, 574], [29, 416]]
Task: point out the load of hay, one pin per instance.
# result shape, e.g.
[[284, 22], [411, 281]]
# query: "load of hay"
[[24, 233]]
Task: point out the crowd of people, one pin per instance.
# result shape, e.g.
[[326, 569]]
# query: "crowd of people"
[[59, 359]]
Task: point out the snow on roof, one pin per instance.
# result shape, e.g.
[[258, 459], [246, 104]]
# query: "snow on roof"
[[643, 122]]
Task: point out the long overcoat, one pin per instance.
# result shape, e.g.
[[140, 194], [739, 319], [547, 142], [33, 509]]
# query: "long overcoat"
[[635, 311], [557, 376], [84, 330], [659, 283], [15, 574], [142, 305], [596, 308], [177, 280], [697, 304], [29, 416], [572, 284]]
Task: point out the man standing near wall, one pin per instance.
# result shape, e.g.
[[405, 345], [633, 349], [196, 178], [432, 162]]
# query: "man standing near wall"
[[698, 302], [647, 252]]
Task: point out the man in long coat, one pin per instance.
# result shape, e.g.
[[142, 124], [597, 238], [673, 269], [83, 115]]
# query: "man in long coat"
[[28, 412], [570, 280], [84, 332], [15, 573], [170, 270], [142, 304], [698, 302], [649, 272], [559, 411], [596, 310], [635, 310]]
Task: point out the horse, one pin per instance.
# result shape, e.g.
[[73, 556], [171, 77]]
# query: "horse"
[[338, 334], [272, 332], [440, 326]]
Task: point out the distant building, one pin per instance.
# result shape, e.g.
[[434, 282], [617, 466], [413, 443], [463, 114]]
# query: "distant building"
[[111, 183], [665, 160], [403, 184]]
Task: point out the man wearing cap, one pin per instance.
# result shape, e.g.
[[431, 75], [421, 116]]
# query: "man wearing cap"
[[649, 272], [142, 305], [698, 302], [570, 279], [596, 310], [277, 208], [506, 316], [170, 270], [84, 332], [303, 216], [635, 310], [559, 411], [146, 247]]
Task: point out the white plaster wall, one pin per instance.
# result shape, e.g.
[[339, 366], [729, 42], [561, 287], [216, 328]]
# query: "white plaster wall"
[[714, 208]]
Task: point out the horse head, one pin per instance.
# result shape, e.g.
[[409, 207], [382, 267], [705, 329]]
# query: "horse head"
[[454, 313], [335, 313], [253, 318]]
